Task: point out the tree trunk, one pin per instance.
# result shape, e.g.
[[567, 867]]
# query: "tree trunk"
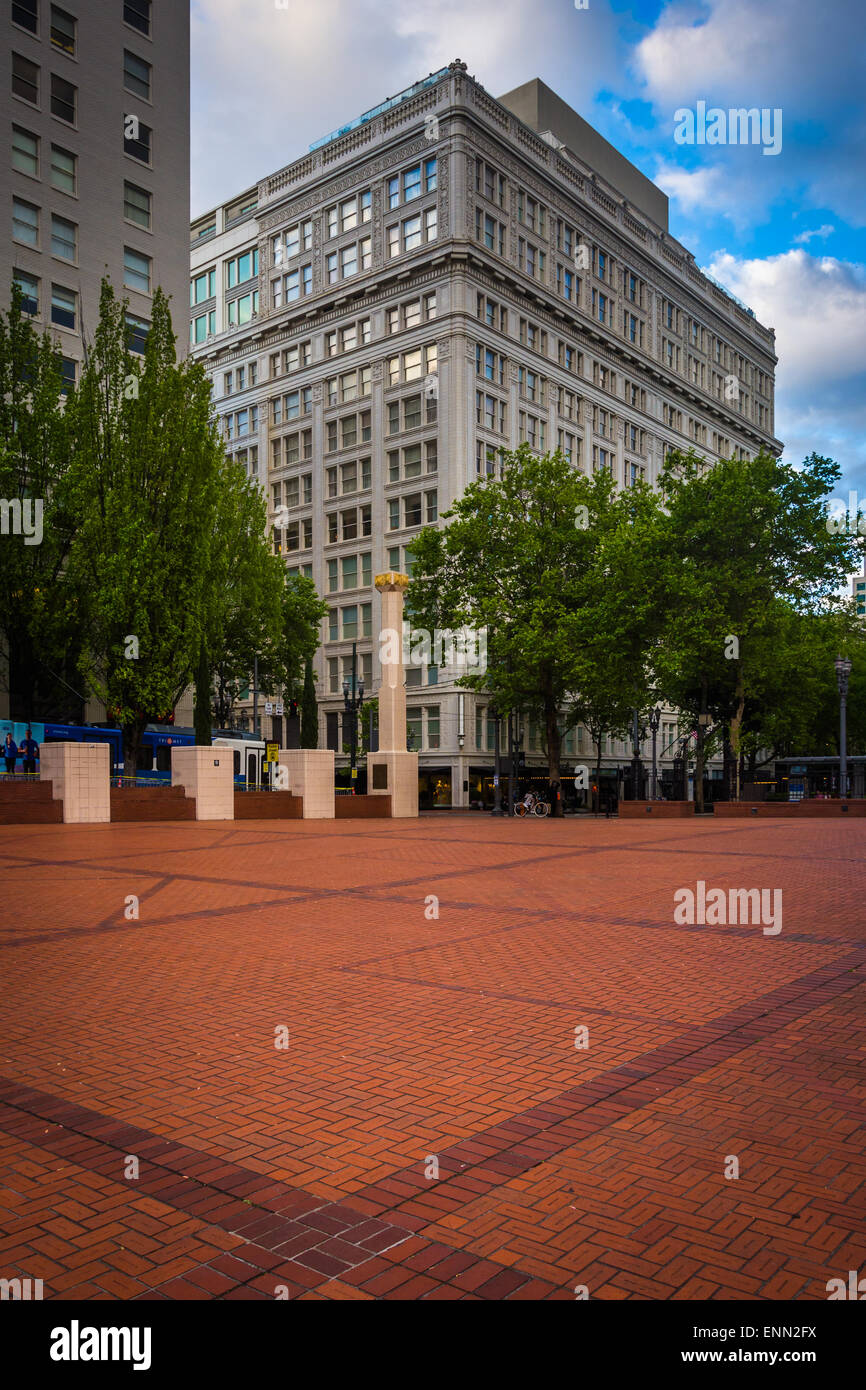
[[554, 745], [736, 730], [202, 716], [699, 753], [599, 739], [131, 744]]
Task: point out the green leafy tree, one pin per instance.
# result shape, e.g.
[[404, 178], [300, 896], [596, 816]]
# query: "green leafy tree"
[[38, 616], [297, 638], [148, 474], [243, 602], [735, 538], [521, 558], [615, 626], [203, 702]]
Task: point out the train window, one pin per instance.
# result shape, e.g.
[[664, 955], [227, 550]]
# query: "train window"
[[144, 759], [163, 760], [237, 763]]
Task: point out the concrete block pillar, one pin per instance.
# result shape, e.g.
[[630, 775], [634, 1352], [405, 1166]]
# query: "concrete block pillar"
[[80, 774], [393, 771], [311, 776], [207, 775]]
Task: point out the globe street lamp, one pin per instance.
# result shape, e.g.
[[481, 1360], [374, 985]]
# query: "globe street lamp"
[[843, 671], [353, 704]]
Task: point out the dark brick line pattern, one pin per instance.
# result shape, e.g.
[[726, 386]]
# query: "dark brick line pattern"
[[290, 1237], [510, 1149], [289, 1227]]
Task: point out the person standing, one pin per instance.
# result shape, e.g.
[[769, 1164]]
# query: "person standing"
[[10, 753], [29, 751]]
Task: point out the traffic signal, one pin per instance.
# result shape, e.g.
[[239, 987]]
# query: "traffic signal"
[[293, 709]]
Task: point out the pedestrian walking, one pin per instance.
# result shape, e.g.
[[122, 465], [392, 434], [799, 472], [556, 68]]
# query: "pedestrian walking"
[[10, 753], [29, 751]]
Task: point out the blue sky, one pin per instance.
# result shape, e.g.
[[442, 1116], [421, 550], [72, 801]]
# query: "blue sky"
[[786, 232]]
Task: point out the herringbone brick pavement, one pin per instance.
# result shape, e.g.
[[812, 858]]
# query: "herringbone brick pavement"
[[431, 1130]]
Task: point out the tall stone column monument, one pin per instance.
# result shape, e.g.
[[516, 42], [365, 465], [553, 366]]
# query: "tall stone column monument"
[[393, 771]]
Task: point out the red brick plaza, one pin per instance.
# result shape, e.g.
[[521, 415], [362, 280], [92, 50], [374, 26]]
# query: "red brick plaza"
[[419, 1044]]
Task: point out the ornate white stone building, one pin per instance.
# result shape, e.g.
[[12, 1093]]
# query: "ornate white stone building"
[[443, 276]]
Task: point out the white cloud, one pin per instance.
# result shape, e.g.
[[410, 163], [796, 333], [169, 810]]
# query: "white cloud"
[[817, 306], [821, 232], [809, 51], [799, 56], [267, 82], [693, 189]]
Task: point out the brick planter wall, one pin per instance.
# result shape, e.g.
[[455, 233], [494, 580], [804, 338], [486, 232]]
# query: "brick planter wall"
[[268, 806], [362, 807], [150, 803], [28, 803], [790, 810], [661, 810]]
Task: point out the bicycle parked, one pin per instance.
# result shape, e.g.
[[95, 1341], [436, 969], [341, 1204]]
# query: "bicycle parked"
[[532, 805]]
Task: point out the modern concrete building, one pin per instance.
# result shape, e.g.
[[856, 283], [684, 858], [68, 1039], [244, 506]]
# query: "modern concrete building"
[[443, 276], [95, 109]]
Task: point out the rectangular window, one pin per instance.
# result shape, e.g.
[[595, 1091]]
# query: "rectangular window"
[[25, 222], [63, 306], [26, 13], [25, 152], [63, 98], [136, 270], [29, 287], [137, 139], [137, 13], [136, 75], [412, 183], [64, 169], [136, 205], [242, 268], [411, 233], [240, 311], [25, 79], [349, 572], [411, 412], [62, 30], [63, 238], [202, 287], [202, 326]]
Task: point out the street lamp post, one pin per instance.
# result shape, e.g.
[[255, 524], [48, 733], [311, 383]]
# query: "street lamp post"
[[497, 808], [654, 720], [636, 766], [353, 705], [843, 671]]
